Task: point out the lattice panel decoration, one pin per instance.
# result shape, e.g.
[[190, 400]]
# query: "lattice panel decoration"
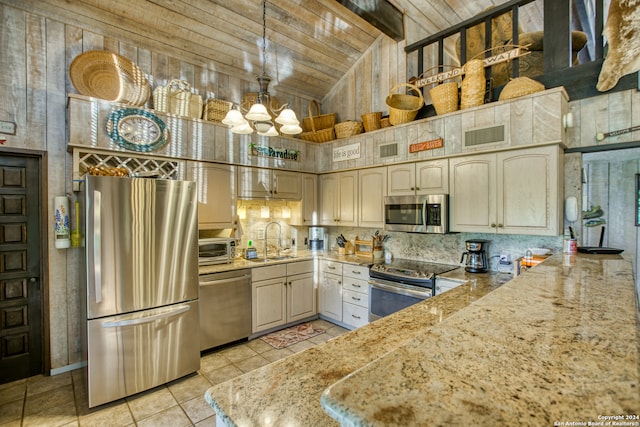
[[156, 167]]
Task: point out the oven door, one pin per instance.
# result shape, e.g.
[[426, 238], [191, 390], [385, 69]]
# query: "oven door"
[[386, 297]]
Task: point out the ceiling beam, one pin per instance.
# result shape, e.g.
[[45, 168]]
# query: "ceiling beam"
[[379, 13]]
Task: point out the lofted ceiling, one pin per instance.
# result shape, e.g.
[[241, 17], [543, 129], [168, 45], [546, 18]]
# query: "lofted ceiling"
[[311, 44]]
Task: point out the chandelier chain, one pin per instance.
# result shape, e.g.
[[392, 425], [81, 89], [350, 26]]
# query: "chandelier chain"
[[264, 36]]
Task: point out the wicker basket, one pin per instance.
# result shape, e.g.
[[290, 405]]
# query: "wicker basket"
[[445, 97], [384, 122], [473, 85], [520, 86], [321, 121], [322, 135], [403, 108], [175, 98], [348, 128], [216, 109], [371, 121]]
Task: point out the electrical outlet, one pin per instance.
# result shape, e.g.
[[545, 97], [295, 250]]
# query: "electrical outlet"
[[505, 258]]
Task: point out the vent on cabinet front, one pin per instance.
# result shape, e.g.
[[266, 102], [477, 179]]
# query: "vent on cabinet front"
[[389, 150], [490, 135]]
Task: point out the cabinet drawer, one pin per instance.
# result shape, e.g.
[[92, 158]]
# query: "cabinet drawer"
[[355, 298], [355, 315], [331, 267], [268, 272], [355, 285], [300, 267], [355, 271]]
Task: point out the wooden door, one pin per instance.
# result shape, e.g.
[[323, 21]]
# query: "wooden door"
[[329, 190], [21, 307], [301, 297], [268, 304], [287, 185], [216, 194]]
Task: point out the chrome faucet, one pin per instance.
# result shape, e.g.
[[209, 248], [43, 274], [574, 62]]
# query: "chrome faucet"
[[266, 228]]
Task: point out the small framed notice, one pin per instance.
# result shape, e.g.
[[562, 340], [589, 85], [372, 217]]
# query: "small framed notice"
[[426, 145], [8, 128]]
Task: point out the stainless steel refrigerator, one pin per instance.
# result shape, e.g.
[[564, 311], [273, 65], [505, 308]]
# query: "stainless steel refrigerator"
[[142, 284]]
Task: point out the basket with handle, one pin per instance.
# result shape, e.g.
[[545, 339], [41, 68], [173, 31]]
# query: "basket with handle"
[[444, 96], [322, 135], [348, 128], [319, 122], [403, 108], [216, 109]]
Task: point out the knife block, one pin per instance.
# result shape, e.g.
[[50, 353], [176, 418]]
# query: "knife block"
[[347, 250]]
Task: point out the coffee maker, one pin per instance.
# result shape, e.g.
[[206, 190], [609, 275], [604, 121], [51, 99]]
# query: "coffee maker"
[[316, 238], [476, 256]]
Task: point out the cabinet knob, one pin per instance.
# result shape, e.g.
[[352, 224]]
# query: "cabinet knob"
[[412, 188], [417, 188], [493, 225], [500, 226], [339, 282]]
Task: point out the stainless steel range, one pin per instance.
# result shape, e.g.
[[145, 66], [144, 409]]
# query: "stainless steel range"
[[400, 283]]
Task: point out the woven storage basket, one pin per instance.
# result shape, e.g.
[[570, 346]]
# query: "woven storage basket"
[[403, 108], [175, 98], [322, 135], [216, 109], [520, 86], [348, 128], [321, 121], [384, 122], [473, 85], [371, 121], [445, 97]]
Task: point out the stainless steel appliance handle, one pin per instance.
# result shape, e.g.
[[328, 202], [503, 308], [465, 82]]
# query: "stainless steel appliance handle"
[[147, 319], [222, 281], [401, 290], [97, 253]]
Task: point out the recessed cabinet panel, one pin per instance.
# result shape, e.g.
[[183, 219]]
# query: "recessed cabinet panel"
[[473, 192], [254, 183]]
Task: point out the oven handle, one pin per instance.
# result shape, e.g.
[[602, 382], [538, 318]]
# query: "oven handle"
[[400, 290]]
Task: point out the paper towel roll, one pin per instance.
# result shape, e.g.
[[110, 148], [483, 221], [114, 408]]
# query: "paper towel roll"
[[62, 226]]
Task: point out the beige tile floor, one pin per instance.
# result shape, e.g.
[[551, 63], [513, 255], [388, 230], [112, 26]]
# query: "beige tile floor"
[[60, 400]]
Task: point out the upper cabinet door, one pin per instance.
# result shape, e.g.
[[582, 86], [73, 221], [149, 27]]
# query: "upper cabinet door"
[[287, 185], [216, 195], [254, 183], [329, 189], [309, 207], [473, 193], [401, 180], [432, 177], [372, 189], [348, 199], [531, 201]]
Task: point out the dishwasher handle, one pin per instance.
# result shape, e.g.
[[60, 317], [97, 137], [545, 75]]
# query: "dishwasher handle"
[[216, 282]]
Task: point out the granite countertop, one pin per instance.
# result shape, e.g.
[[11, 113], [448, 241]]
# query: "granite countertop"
[[556, 346], [240, 263], [287, 392]]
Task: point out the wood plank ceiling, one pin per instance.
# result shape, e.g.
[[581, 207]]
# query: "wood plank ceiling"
[[310, 43]]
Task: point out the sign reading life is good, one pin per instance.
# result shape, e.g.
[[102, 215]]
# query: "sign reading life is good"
[[275, 153], [346, 152]]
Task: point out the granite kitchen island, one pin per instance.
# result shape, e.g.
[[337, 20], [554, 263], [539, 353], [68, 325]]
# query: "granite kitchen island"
[[557, 344]]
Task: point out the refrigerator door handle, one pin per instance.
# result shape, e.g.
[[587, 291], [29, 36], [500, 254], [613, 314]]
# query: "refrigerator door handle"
[[97, 255], [146, 319]]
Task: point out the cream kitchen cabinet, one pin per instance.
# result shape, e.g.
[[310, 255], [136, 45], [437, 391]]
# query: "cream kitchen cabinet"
[[508, 192], [258, 183], [372, 187], [216, 194], [309, 207], [355, 295], [339, 198], [428, 177], [330, 290], [281, 294]]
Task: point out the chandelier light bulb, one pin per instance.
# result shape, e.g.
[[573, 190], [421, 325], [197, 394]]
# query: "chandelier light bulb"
[[271, 132], [233, 118], [287, 117], [291, 129], [242, 129], [258, 112]]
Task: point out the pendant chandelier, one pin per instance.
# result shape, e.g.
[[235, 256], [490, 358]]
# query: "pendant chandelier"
[[259, 117]]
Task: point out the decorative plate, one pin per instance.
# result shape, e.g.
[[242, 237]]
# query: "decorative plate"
[[137, 130]]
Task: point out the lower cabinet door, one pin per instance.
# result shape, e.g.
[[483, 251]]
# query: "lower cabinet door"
[[268, 304], [301, 297], [330, 290], [354, 315]]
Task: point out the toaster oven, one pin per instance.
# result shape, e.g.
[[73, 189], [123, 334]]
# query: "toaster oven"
[[216, 250]]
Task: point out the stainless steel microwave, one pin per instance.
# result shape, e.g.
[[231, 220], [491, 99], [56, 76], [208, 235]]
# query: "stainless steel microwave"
[[216, 250], [417, 214]]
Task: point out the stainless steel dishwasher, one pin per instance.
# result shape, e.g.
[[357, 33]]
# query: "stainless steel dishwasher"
[[225, 307]]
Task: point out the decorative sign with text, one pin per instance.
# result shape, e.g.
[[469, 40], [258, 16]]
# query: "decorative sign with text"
[[346, 152], [426, 145], [488, 62], [275, 153]]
